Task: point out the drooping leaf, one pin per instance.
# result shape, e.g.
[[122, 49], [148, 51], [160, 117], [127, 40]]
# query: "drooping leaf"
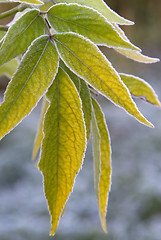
[[33, 77], [63, 145], [134, 55], [87, 22], [29, 1], [102, 160], [84, 94], [140, 88], [39, 134], [9, 68], [86, 60], [20, 35], [101, 7]]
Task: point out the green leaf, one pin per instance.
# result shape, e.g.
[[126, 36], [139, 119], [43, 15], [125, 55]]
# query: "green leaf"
[[63, 144], [86, 60], [9, 68], [29, 1], [134, 55], [84, 94], [2, 33], [20, 35], [102, 160], [33, 77], [39, 134], [139, 88], [87, 22], [101, 7]]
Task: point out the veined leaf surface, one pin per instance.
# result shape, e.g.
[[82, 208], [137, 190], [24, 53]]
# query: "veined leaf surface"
[[102, 160], [84, 94], [63, 145], [101, 7], [39, 134], [20, 35], [33, 77], [140, 88], [87, 22], [86, 60]]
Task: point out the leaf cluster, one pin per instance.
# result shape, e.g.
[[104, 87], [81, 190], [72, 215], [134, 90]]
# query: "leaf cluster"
[[56, 47]]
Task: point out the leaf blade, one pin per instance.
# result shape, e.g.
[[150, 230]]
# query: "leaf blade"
[[28, 84], [63, 145], [21, 34], [104, 182], [77, 52], [140, 88]]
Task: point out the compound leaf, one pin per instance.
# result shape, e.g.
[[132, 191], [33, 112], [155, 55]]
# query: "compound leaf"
[[140, 88], [20, 35], [39, 134], [102, 160], [101, 7], [86, 22], [63, 145], [86, 60], [33, 77]]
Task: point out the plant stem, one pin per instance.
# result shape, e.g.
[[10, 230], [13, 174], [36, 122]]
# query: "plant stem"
[[13, 11], [3, 28]]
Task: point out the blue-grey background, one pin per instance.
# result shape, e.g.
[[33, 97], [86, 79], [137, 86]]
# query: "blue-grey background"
[[134, 210]]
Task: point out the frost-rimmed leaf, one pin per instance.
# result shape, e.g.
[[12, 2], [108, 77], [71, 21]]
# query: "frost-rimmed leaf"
[[84, 94], [85, 59], [39, 134], [33, 77], [9, 68], [63, 145], [87, 22], [140, 88], [102, 160], [29, 1], [20, 35], [134, 55], [101, 7]]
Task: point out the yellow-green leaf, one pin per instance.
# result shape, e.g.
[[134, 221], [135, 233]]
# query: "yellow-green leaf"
[[101, 7], [63, 145], [39, 134], [33, 77], [140, 88], [9, 68], [84, 94], [85, 59], [134, 55], [87, 22], [102, 160], [29, 1], [20, 35]]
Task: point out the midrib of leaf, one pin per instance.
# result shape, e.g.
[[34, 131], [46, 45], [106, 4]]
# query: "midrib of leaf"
[[21, 33], [26, 81], [97, 77]]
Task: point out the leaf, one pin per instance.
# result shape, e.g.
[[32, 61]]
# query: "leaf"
[[84, 94], [63, 144], [87, 22], [20, 35], [102, 160], [33, 77], [134, 55], [86, 60], [39, 134], [9, 68], [139, 88], [2, 33], [29, 1], [101, 7]]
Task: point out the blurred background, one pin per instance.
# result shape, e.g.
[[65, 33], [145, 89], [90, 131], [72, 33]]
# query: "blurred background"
[[134, 209]]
